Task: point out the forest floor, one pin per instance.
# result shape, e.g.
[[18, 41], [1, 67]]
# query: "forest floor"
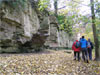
[[49, 62]]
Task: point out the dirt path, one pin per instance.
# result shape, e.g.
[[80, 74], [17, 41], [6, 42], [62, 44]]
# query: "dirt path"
[[46, 63]]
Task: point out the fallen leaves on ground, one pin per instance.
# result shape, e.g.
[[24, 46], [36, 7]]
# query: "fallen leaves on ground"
[[52, 63]]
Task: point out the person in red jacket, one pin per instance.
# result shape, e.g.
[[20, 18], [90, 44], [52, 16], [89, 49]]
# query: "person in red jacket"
[[76, 48]]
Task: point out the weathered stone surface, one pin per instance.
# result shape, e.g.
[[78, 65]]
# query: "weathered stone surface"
[[64, 40], [57, 38], [19, 27], [29, 29], [52, 39]]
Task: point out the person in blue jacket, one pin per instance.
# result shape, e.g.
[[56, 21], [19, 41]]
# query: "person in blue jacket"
[[84, 50]]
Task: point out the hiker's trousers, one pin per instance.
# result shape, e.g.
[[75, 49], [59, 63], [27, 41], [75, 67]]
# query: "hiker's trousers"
[[77, 55], [84, 53], [90, 53]]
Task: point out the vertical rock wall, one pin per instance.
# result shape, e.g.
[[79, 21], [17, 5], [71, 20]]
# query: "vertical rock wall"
[[57, 38], [19, 28], [29, 29], [64, 40]]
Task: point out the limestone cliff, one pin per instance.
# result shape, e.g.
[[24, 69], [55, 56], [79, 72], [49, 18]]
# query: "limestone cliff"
[[58, 38], [17, 28], [29, 29]]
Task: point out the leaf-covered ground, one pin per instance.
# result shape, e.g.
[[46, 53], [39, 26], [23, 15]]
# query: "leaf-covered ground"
[[46, 63]]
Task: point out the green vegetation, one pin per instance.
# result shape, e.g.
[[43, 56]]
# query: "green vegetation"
[[69, 18], [15, 4], [65, 23], [87, 21], [43, 4]]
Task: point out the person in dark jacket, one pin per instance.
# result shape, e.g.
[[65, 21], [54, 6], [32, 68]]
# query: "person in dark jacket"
[[83, 42], [90, 47], [76, 50]]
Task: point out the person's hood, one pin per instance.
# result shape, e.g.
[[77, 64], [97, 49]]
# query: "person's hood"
[[76, 40], [89, 40], [82, 39]]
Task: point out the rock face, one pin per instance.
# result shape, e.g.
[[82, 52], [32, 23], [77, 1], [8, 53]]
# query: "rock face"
[[52, 39], [29, 29], [20, 28], [64, 40], [58, 38]]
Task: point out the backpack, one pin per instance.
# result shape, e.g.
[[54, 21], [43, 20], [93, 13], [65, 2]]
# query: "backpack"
[[77, 45], [88, 45]]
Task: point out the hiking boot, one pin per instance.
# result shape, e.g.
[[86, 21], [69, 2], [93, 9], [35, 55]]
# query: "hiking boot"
[[74, 58], [87, 61], [79, 60]]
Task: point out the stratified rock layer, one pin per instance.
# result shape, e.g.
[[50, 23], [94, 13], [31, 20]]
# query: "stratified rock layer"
[[19, 27]]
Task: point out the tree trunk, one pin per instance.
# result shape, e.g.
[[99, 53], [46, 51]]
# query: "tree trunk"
[[96, 41], [56, 7], [56, 11]]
